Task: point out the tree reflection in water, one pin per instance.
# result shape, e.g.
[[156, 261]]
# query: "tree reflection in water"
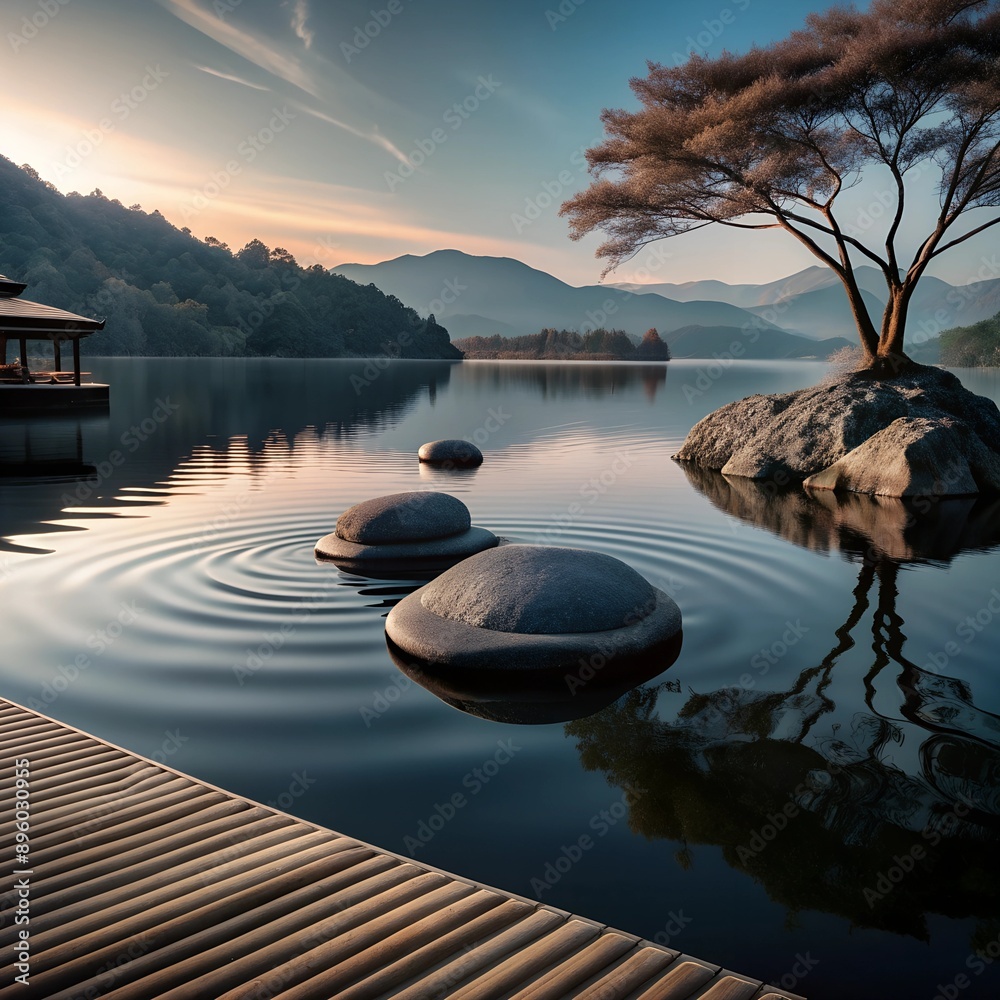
[[831, 821]]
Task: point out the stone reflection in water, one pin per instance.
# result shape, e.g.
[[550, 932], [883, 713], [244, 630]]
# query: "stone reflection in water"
[[921, 529], [538, 697], [824, 815], [388, 593]]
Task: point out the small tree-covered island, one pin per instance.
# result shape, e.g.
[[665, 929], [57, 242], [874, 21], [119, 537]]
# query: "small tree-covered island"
[[772, 139], [568, 345]]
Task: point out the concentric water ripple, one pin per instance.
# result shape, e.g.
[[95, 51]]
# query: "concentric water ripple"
[[226, 576]]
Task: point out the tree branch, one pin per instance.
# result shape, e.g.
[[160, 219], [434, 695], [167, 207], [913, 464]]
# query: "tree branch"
[[839, 235], [892, 275], [811, 245], [961, 239], [929, 248]]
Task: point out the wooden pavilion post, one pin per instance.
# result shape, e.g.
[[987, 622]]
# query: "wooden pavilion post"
[[57, 353], [24, 358], [76, 361]]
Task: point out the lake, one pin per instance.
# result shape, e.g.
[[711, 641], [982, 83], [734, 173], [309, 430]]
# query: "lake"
[[809, 795]]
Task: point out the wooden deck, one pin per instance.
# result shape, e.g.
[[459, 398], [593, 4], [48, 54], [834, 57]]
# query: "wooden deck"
[[39, 397], [143, 883]]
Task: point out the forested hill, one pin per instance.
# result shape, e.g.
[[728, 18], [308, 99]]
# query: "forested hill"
[[975, 346], [165, 292]]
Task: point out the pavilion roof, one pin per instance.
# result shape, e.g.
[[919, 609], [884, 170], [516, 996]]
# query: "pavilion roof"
[[32, 320]]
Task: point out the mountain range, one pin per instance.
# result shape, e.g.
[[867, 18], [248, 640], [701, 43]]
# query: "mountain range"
[[481, 296], [469, 291], [812, 302], [803, 315]]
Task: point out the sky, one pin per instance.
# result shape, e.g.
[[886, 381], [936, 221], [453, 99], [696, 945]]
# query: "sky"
[[352, 131]]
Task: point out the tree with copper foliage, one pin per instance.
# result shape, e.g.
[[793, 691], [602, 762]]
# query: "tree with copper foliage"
[[773, 138], [652, 347]]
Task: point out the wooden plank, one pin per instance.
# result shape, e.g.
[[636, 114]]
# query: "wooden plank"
[[585, 964], [337, 944], [243, 946], [382, 953], [682, 980], [117, 806], [41, 736], [70, 803], [481, 955], [419, 961], [301, 931], [58, 762], [139, 828], [14, 745], [120, 770], [198, 928], [229, 816], [730, 987], [14, 735], [83, 927], [529, 962], [88, 776], [144, 867], [631, 974]]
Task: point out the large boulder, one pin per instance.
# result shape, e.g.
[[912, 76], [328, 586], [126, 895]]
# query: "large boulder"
[[806, 435], [915, 456]]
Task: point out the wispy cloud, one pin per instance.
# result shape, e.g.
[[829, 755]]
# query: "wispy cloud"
[[300, 15], [268, 56], [373, 135], [305, 216], [229, 76], [257, 50]]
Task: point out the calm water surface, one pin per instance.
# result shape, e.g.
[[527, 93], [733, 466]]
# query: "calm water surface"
[[814, 784]]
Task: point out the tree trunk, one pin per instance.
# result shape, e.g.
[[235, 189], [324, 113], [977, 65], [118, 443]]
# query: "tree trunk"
[[890, 356], [866, 329]]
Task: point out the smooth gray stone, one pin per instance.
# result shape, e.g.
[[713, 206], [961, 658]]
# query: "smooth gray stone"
[[450, 450], [542, 588], [403, 517]]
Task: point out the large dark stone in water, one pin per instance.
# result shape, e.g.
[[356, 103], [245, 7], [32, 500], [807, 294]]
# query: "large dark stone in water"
[[403, 517], [524, 610], [404, 534], [919, 432], [541, 590]]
